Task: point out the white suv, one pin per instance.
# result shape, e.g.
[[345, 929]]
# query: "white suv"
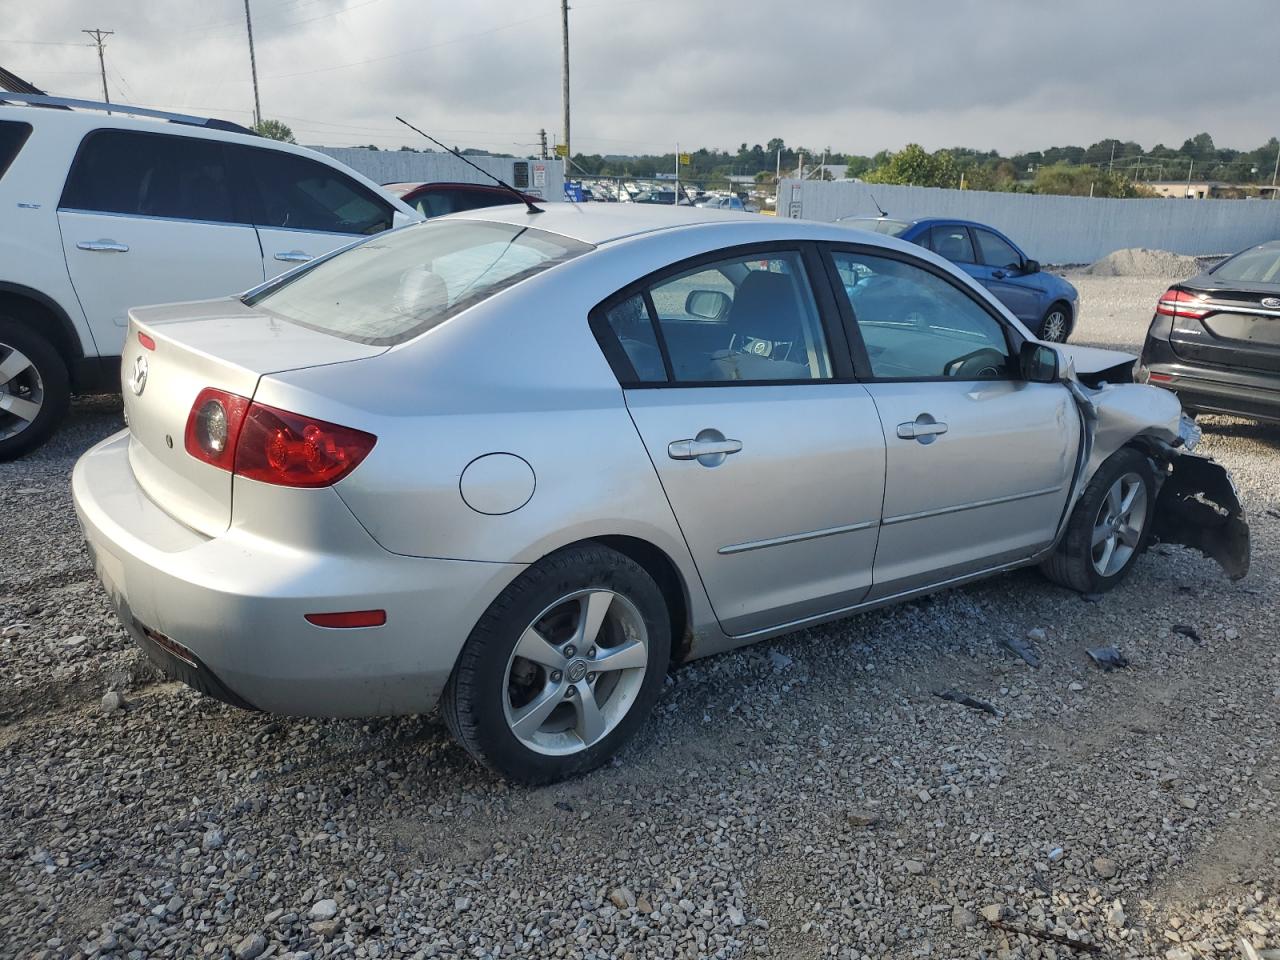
[[107, 207]]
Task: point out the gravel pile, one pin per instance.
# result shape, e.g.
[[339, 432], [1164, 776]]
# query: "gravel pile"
[[809, 797], [1141, 262]]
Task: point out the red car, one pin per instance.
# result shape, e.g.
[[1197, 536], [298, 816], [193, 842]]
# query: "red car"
[[437, 199]]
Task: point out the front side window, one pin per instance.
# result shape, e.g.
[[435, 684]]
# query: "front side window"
[[389, 289], [744, 319], [916, 325], [297, 193], [151, 175], [12, 136], [998, 252], [952, 243]]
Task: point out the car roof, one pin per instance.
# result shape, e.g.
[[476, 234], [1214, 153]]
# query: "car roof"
[[603, 223], [931, 221]]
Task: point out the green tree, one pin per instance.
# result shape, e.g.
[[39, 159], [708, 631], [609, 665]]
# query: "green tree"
[[1085, 181], [915, 166], [274, 130]]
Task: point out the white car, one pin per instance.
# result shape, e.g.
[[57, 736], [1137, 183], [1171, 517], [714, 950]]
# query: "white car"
[[104, 211]]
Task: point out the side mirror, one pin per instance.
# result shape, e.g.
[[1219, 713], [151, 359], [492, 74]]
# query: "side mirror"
[[1031, 266], [1038, 363], [707, 304]]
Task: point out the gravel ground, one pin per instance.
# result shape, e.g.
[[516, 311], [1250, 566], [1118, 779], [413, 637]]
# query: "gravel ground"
[[805, 798]]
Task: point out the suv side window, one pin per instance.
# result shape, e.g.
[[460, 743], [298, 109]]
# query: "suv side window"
[[748, 319], [297, 193], [151, 175], [952, 243], [996, 251], [12, 136], [916, 325]]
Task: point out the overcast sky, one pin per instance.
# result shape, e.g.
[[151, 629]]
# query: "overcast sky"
[[853, 75]]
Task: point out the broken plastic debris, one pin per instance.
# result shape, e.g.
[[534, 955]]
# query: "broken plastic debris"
[[955, 696], [1108, 658], [1023, 648]]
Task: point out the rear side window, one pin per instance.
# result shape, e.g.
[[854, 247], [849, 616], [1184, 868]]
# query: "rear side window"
[[151, 175], [392, 288], [296, 193], [1258, 265], [952, 243], [12, 136]]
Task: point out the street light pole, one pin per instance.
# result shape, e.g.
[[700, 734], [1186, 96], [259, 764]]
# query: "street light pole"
[[564, 30]]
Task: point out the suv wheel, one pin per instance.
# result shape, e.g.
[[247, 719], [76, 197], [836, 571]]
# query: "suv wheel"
[[563, 667], [34, 389], [1109, 527]]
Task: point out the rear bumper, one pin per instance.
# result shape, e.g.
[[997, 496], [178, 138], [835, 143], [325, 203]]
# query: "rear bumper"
[[1211, 389], [233, 606]]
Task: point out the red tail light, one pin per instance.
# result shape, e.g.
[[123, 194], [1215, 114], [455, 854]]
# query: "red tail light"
[[1179, 303], [349, 619], [272, 446]]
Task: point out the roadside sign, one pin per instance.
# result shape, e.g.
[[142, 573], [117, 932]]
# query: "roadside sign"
[[539, 174], [684, 160], [562, 150]]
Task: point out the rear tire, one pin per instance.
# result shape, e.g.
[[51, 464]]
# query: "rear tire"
[[563, 667], [1109, 527], [35, 389], [1055, 325]]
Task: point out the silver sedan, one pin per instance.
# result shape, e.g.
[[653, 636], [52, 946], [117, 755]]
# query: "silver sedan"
[[520, 463]]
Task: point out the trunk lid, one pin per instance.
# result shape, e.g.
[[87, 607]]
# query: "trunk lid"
[[213, 343], [1241, 330]]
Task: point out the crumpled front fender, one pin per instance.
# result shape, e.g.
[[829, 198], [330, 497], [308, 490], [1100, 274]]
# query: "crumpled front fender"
[[1198, 507]]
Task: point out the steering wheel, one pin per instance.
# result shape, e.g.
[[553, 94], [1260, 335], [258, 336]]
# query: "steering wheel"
[[984, 362]]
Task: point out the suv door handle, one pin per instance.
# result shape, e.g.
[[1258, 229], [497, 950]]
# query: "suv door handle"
[[923, 428], [103, 246], [709, 448], [998, 274], [293, 256]]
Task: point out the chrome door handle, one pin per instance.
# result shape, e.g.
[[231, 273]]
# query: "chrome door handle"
[[923, 428], [709, 448], [293, 256], [103, 246]]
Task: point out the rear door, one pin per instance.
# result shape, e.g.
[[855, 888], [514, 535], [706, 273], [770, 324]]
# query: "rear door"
[[152, 218], [771, 456], [978, 461], [304, 208], [1023, 293]]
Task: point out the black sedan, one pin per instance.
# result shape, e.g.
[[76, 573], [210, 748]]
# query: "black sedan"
[[1215, 339]]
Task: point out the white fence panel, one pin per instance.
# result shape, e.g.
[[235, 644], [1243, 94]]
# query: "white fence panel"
[[1052, 229], [405, 166]]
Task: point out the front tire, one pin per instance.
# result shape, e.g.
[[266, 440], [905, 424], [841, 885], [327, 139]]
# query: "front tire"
[[35, 389], [1055, 326], [563, 667], [1109, 527]]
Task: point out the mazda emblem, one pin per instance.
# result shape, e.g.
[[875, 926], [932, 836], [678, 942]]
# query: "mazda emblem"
[[138, 381]]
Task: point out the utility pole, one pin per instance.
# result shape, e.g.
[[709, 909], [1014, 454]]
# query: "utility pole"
[[100, 38], [564, 30], [253, 67], [1274, 173], [1111, 162], [542, 139]]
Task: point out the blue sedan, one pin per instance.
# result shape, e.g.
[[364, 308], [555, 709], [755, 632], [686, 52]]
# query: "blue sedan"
[[1045, 303]]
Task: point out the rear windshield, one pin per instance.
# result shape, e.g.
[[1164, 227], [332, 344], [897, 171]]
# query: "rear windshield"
[[399, 284], [12, 136], [890, 228], [1259, 265]]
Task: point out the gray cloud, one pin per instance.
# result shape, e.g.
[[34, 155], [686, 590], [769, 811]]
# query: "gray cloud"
[[850, 74]]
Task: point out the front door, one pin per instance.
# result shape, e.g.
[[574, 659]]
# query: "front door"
[[978, 462], [773, 466], [303, 208], [1002, 273], [152, 218]]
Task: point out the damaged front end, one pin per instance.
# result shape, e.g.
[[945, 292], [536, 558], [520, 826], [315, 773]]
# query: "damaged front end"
[[1197, 504]]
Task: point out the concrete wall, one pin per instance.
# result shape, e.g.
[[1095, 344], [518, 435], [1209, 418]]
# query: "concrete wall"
[[401, 166], [1052, 229]]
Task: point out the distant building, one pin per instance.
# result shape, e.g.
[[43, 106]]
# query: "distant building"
[[1208, 189]]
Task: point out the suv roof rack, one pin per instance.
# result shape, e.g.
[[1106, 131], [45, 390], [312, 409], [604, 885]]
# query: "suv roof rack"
[[41, 100]]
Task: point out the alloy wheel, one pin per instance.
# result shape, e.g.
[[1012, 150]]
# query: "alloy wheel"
[[21, 391], [575, 672], [1117, 531], [1054, 329]]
